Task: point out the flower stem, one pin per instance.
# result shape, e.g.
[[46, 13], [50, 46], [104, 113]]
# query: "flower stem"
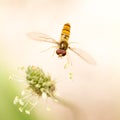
[[70, 106]]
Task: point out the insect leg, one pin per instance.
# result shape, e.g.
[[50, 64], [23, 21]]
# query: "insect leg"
[[47, 49]]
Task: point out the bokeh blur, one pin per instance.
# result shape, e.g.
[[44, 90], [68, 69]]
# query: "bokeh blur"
[[95, 25]]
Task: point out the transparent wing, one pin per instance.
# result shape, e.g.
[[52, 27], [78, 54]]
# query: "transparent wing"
[[84, 55], [41, 37]]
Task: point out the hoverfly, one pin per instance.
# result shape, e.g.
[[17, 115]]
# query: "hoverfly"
[[63, 44]]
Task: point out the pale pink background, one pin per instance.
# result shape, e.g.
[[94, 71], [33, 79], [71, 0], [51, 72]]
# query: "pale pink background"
[[95, 24]]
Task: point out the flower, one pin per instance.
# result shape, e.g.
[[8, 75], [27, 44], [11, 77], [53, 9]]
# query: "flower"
[[39, 84]]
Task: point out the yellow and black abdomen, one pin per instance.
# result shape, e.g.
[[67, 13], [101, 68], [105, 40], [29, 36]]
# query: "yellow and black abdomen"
[[65, 32], [65, 37]]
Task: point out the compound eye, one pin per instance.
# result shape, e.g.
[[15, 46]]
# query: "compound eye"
[[64, 53], [61, 52]]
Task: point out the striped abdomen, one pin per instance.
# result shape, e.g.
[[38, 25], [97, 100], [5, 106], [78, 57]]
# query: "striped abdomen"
[[64, 37], [65, 32]]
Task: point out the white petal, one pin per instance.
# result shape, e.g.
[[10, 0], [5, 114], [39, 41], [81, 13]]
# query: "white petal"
[[27, 112], [44, 95]]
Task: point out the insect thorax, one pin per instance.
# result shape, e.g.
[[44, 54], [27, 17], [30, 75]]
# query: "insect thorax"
[[63, 45]]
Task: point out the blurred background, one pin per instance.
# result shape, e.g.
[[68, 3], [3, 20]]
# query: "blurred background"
[[95, 25]]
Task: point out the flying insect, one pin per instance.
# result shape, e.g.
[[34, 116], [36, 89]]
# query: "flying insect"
[[63, 44]]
